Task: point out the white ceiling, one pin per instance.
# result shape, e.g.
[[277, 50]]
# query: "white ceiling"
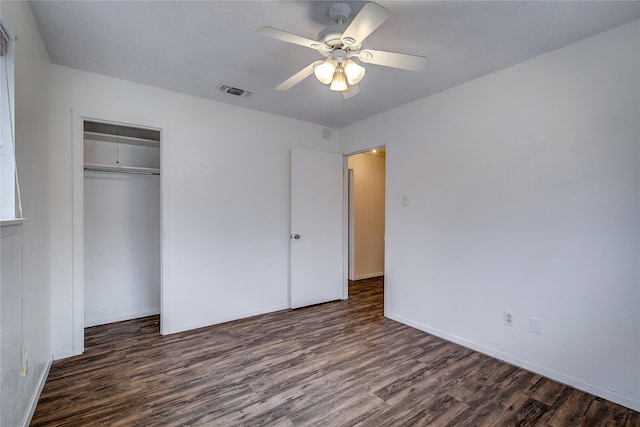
[[191, 47]]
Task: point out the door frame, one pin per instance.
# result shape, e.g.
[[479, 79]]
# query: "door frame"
[[77, 165], [347, 221], [345, 226], [350, 224]]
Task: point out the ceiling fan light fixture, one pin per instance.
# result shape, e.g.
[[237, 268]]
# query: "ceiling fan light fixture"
[[339, 82], [339, 42], [354, 72], [324, 72]]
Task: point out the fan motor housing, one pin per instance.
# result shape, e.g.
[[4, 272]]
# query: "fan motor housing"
[[332, 35]]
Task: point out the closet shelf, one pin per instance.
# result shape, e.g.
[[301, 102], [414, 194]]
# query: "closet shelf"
[[131, 140], [121, 169]]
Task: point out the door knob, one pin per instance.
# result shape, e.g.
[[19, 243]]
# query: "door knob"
[[296, 236]]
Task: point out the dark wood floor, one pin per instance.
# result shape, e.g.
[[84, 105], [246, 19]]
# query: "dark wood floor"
[[334, 364]]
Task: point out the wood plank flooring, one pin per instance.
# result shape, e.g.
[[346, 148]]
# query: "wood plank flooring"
[[335, 364]]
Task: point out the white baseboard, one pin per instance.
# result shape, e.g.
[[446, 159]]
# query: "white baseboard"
[[369, 275], [63, 354], [120, 317], [548, 373], [36, 395]]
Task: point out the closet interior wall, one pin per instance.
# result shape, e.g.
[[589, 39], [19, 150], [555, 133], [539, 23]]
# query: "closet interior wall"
[[121, 223]]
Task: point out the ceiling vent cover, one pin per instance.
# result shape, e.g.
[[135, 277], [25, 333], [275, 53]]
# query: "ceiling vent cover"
[[233, 90]]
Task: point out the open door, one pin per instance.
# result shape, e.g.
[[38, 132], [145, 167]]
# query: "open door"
[[317, 245]]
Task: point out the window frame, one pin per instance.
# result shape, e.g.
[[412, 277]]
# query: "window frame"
[[10, 205]]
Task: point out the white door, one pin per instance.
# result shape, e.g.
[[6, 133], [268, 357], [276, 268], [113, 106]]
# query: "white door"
[[317, 244]]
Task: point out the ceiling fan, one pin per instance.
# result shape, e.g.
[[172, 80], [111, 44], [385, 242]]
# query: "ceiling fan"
[[340, 44]]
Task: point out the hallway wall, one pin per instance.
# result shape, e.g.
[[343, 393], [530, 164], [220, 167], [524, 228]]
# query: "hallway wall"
[[369, 207]]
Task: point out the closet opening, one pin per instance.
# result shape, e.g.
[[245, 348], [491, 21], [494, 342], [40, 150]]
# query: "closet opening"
[[122, 223]]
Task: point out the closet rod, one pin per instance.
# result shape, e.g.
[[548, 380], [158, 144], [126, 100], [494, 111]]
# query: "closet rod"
[[121, 169]]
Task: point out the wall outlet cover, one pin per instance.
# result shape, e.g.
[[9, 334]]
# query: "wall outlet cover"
[[509, 318]]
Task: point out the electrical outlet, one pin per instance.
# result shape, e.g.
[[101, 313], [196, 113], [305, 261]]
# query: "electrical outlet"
[[508, 318]]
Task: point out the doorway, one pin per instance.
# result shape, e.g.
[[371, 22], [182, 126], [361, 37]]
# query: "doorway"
[[366, 214], [121, 222], [132, 163]]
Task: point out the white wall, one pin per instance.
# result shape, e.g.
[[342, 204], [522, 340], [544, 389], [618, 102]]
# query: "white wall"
[[121, 247], [11, 324], [368, 206], [523, 196], [31, 302], [226, 173]]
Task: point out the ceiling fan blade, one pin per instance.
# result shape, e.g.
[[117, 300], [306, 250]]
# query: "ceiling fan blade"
[[370, 17], [392, 59], [274, 33], [297, 77], [353, 90]]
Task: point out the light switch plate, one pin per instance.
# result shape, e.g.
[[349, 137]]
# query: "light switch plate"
[[535, 326]]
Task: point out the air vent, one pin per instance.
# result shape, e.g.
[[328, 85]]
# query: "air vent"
[[233, 90]]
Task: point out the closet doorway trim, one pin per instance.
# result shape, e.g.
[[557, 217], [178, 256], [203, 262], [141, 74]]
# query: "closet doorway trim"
[[78, 119]]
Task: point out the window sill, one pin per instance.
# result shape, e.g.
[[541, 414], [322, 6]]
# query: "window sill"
[[8, 222]]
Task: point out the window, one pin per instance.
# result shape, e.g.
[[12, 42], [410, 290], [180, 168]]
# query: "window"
[[9, 189]]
